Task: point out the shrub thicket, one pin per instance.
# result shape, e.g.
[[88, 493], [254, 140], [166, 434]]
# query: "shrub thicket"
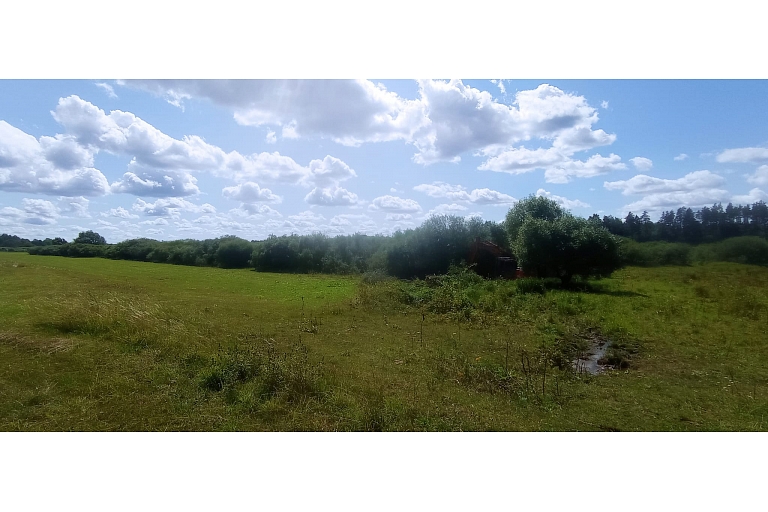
[[441, 241], [747, 249], [654, 254], [234, 253]]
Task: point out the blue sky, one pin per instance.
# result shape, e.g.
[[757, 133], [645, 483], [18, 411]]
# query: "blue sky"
[[201, 159]]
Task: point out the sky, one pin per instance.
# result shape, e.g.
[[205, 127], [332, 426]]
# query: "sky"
[[173, 159]]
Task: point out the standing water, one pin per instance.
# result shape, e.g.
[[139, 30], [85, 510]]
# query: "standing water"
[[588, 362]]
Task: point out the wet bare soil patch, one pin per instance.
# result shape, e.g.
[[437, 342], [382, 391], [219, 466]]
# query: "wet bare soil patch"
[[598, 353], [593, 360]]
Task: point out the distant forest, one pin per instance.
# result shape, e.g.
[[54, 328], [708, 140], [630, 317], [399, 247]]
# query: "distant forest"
[[439, 242], [692, 226], [15, 241]]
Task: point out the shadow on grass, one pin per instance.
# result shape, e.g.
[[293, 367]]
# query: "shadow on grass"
[[533, 285], [614, 293]]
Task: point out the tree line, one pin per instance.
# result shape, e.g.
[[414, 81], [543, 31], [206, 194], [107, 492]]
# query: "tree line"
[[686, 225], [546, 240], [431, 248], [15, 241]]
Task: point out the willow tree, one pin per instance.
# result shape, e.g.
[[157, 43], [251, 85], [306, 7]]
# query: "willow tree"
[[549, 241]]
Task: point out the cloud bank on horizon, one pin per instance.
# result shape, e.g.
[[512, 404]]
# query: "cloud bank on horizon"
[[333, 156]]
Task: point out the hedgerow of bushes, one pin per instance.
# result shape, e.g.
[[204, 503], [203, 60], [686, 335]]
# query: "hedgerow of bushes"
[[430, 249]]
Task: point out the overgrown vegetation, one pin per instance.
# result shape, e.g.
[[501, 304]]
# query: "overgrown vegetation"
[[655, 254], [750, 250]]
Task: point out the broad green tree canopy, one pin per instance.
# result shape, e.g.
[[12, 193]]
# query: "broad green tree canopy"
[[90, 237], [550, 242]]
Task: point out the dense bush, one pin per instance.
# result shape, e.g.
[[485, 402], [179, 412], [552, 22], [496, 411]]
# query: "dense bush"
[[234, 253], [746, 249], [566, 247], [550, 242], [441, 241], [654, 254], [72, 250], [136, 250], [317, 252]]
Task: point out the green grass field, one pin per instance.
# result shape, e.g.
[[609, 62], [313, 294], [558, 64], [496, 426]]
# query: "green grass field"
[[94, 344]]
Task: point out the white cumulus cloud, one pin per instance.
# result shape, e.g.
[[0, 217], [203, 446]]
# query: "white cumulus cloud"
[[641, 163], [581, 138], [150, 182], [331, 196], [119, 212], [595, 165], [557, 162], [77, 206], [753, 196], [644, 184], [743, 155], [447, 119], [250, 192], [446, 209], [33, 211], [124, 133], [439, 189], [162, 166], [399, 217], [394, 204], [695, 189], [349, 112], [349, 220], [328, 171], [258, 210], [760, 176], [52, 165], [170, 207], [562, 201], [462, 118], [269, 167], [522, 160], [155, 222]]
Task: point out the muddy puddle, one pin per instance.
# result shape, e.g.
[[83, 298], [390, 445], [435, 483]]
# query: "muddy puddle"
[[588, 362]]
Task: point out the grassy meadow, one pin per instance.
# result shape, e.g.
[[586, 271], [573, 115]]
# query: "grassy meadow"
[[96, 344]]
